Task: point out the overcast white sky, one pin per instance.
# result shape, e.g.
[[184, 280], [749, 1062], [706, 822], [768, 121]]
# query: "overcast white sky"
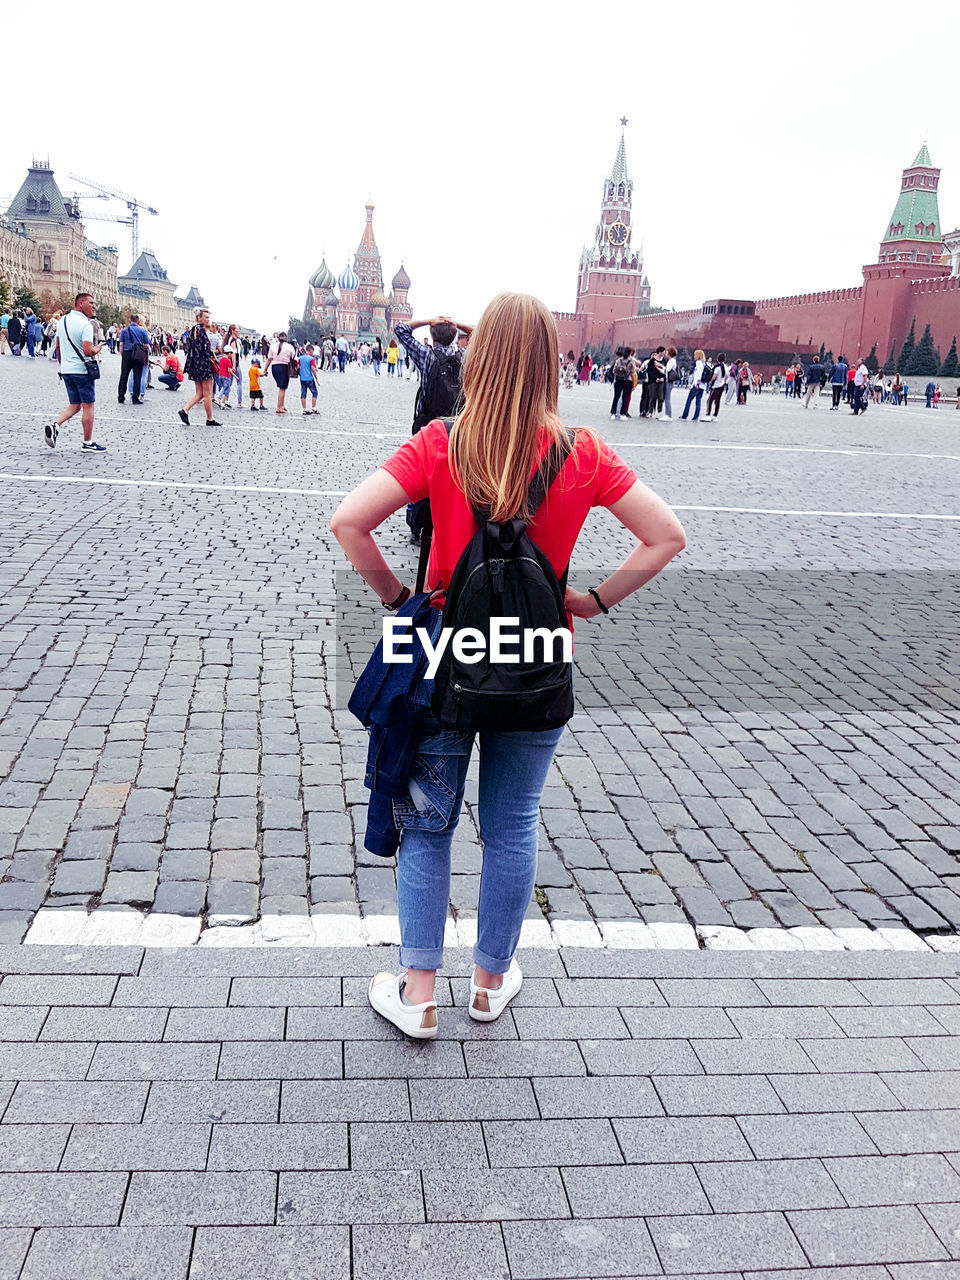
[[765, 144]]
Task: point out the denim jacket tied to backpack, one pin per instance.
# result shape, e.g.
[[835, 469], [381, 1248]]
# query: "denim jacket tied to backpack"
[[391, 700]]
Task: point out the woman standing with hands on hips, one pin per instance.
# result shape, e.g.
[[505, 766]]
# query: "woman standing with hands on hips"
[[485, 462]]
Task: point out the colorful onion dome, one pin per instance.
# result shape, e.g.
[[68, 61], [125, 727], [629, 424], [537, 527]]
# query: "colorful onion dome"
[[330, 299], [401, 280], [349, 279], [323, 277], [379, 299]]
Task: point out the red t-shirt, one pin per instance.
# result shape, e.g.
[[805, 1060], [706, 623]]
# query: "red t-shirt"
[[592, 476], [226, 366]]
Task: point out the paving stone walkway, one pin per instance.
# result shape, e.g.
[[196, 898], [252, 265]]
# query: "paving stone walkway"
[[243, 1115], [766, 738]]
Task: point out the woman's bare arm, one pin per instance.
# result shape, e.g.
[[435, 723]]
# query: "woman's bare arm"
[[353, 523], [660, 536]]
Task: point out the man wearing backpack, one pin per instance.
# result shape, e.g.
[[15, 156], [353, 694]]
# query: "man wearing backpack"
[[717, 383], [439, 367], [622, 371]]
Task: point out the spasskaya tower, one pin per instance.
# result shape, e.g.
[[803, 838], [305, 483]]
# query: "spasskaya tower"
[[610, 281]]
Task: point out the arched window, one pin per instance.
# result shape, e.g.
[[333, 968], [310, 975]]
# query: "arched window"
[[621, 191]]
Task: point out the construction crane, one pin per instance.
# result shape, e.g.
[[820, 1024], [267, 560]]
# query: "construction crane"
[[134, 205]]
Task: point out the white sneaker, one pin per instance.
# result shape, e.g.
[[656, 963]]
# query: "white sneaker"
[[419, 1021], [486, 1005]]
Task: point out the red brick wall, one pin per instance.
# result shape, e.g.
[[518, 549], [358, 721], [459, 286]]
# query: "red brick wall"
[[831, 317]]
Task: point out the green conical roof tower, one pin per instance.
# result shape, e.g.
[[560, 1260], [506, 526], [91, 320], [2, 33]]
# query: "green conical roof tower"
[[913, 233]]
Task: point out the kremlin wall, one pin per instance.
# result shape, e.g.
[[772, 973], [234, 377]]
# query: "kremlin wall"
[[916, 279]]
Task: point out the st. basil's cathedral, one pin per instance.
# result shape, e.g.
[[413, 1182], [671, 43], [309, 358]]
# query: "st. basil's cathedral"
[[362, 312]]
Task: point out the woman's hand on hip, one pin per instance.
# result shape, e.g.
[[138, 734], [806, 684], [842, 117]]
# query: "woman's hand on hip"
[[580, 604]]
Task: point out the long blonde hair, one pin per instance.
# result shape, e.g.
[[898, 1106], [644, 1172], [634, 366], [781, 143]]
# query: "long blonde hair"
[[510, 386]]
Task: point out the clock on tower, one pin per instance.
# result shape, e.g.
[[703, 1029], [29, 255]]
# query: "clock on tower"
[[617, 234]]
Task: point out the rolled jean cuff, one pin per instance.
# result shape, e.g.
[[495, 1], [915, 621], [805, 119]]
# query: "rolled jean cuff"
[[490, 963], [421, 957]]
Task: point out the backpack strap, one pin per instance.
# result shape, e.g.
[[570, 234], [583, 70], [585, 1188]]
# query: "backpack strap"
[[548, 470]]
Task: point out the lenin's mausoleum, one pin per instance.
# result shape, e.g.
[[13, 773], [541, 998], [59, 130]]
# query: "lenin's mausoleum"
[[915, 280]]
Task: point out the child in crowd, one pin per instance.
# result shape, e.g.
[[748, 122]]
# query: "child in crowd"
[[224, 379], [256, 395], [308, 379]]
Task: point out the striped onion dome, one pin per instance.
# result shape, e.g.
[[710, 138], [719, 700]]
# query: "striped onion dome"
[[323, 277], [401, 280], [349, 279]]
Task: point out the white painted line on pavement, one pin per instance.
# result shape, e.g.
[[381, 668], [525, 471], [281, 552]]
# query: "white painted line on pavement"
[[844, 515], [322, 433], [342, 493], [110, 927], [177, 484]]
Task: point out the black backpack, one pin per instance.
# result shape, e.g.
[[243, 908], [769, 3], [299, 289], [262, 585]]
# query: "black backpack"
[[706, 374], [502, 573], [439, 394]]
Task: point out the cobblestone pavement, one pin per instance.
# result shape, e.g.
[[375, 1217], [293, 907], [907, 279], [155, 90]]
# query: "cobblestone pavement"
[[241, 1114], [767, 737]]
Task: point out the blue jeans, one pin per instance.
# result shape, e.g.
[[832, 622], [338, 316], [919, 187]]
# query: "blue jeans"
[[513, 769], [695, 393]]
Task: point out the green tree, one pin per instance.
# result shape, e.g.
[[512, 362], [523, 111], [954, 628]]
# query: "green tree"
[[951, 366], [4, 293], [923, 360], [872, 363], [108, 315], [305, 330], [906, 351], [600, 354], [25, 297], [891, 365], [822, 353]]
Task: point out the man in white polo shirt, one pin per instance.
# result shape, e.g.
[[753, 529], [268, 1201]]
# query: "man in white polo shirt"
[[75, 348]]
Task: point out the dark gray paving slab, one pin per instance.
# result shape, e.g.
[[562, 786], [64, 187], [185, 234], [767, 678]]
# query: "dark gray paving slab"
[[674, 1139], [271, 1253], [217, 1101], [289, 1145], [105, 1253], [945, 1220], [524, 1143], [894, 1179], [200, 1199], [61, 1199], [13, 1249], [344, 1100], [353, 1197], [749, 1185], [587, 1246], [790, 1137], [101, 1147], [561, 1097], [902, 1132], [900, 1234], [398, 1145], [428, 1252], [498, 1195], [717, 1095], [32, 1147], [725, 1241], [508, 1099], [626, 1191]]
